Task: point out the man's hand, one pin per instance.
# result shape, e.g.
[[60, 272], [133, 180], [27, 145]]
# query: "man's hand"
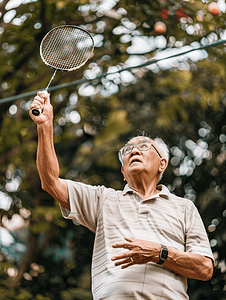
[[42, 101], [140, 252], [186, 264]]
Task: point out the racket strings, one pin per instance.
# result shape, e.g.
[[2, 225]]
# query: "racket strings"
[[61, 51], [67, 48]]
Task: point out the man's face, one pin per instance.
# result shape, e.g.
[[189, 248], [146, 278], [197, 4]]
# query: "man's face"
[[145, 163]]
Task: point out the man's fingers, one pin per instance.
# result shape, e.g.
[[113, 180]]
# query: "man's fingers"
[[45, 96], [117, 245], [37, 102], [128, 239], [41, 103], [40, 100], [125, 263], [122, 245], [120, 262], [124, 255], [121, 256]]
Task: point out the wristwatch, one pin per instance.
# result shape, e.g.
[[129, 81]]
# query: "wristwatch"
[[162, 255]]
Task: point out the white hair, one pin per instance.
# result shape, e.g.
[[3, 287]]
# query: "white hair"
[[162, 148], [160, 145]]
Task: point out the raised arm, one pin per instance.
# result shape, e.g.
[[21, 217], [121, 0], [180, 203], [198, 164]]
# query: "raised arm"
[[47, 163]]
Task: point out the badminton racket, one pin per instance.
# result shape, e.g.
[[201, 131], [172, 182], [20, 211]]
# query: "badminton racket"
[[65, 48]]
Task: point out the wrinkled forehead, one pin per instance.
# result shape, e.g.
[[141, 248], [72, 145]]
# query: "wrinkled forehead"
[[139, 139]]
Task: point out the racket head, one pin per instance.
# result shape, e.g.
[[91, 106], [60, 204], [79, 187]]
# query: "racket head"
[[66, 47]]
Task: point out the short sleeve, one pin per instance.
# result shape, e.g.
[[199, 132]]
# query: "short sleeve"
[[196, 237], [86, 203]]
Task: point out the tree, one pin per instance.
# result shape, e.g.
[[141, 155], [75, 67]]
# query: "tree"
[[49, 258]]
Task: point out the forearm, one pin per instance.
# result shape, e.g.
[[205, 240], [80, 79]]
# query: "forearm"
[[190, 265], [47, 163]]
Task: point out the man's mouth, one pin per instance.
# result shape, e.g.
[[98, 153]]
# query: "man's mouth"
[[135, 161]]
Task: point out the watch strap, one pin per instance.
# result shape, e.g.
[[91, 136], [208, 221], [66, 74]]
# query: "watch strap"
[[163, 255]]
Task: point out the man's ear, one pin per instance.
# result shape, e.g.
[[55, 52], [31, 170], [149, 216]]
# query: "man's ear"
[[163, 165], [122, 170]]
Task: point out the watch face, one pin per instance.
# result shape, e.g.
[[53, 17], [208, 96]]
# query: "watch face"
[[164, 253]]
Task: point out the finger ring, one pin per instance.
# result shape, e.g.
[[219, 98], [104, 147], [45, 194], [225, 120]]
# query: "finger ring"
[[131, 259]]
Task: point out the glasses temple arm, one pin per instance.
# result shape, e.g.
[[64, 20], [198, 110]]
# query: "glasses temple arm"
[[157, 151]]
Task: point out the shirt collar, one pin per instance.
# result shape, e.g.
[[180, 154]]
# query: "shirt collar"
[[163, 191]]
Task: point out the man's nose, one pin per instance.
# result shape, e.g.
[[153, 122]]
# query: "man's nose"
[[135, 150]]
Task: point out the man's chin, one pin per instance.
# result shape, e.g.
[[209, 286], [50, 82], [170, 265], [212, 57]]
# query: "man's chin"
[[136, 167]]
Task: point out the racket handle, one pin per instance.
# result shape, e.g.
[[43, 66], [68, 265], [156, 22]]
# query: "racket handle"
[[36, 112]]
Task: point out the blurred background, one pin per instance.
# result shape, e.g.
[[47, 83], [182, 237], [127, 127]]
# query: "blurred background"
[[178, 97]]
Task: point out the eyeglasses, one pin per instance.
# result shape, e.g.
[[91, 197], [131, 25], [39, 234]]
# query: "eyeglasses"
[[142, 146]]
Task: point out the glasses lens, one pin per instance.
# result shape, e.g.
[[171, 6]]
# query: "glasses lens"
[[127, 150], [144, 146]]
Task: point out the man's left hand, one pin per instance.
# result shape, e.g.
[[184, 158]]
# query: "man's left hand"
[[140, 252]]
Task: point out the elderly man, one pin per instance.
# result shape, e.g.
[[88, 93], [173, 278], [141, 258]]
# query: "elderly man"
[[147, 240]]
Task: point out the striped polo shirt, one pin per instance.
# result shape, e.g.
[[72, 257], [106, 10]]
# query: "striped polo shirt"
[[112, 215]]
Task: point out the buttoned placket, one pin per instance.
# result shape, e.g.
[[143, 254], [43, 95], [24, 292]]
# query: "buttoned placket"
[[143, 207]]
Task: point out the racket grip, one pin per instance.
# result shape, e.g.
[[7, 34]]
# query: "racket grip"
[[36, 112]]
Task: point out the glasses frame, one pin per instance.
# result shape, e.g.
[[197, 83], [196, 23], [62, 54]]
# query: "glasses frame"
[[135, 145]]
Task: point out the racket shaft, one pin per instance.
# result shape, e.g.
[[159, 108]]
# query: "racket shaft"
[[46, 89], [37, 112]]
